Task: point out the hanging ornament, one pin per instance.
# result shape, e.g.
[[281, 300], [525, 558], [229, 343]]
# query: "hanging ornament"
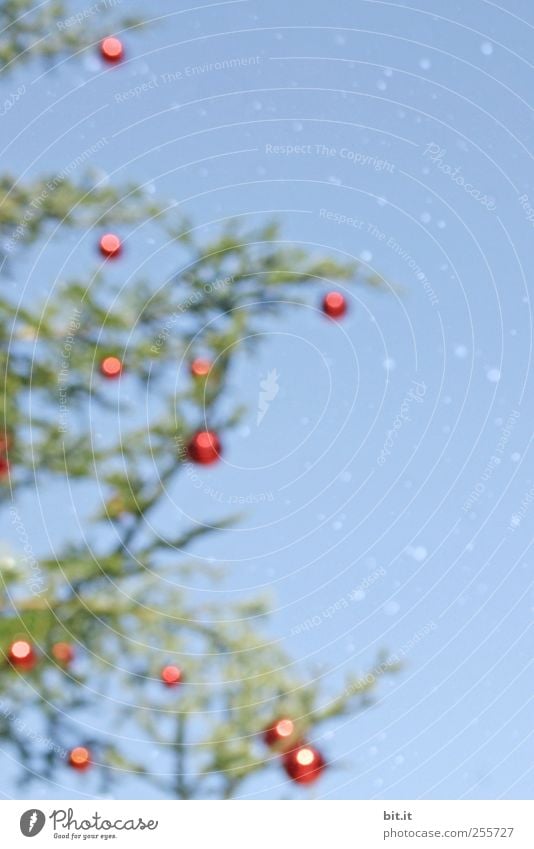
[[171, 676], [204, 448], [111, 367], [334, 305], [80, 758], [200, 367], [110, 245], [280, 732], [22, 654], [63, 652], [112, 49], [304, 764]]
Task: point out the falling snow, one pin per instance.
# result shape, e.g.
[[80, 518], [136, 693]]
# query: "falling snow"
[[418, 553]]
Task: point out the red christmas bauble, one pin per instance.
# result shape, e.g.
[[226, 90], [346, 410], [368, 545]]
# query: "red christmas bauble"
[[334, 304], [281, 731], [110, 245], [111, 367], [63, 652], [304, 764], [171, 676], [22, 654], [4, 468], [80, 758], [200, 367], [112, 49], [204, 448]]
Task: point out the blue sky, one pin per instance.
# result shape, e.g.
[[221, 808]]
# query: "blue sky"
[[397, 449]]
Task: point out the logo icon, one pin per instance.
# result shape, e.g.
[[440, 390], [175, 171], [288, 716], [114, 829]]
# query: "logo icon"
[[269, 390], [32, 822]]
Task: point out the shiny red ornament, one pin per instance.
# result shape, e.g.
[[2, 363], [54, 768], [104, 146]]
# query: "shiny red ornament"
[[171, 676], [200, 367], [22, 654], [110, 245], [112, 49], [204, 448], [63, 652], [111, 367], [80, 758], [281, 731], [304, 764], [334, 305]]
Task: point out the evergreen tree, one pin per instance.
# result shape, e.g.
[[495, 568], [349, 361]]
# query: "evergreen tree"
[[106, 620]]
